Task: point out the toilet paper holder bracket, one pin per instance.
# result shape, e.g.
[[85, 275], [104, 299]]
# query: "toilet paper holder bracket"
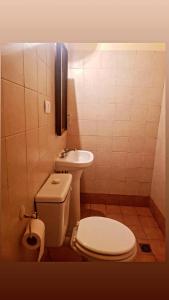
[[34, 215], [23, 214]]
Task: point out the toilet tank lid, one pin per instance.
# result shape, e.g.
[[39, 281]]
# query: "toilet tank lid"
[[55, 189]]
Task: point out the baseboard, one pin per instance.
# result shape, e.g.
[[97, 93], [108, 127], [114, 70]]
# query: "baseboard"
[[115, 199], [160, 219]]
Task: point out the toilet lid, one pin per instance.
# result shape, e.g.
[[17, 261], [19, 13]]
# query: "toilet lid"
[[104, 235]]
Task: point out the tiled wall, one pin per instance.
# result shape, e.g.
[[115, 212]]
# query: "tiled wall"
[[158, 192], [29, 143], [114, 109]]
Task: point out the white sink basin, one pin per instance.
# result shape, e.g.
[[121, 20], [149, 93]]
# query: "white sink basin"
[[76, 159]]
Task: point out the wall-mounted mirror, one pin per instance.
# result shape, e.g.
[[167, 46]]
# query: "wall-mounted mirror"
[[61, 69]]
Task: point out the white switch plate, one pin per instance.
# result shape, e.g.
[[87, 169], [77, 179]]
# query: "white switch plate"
[[47, 107]]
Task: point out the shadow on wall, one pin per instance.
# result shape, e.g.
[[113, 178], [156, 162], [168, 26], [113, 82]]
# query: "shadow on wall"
[[78, 53], [73, 124]]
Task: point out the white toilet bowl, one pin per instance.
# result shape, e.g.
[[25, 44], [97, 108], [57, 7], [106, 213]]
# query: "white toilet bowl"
[[103, 239]]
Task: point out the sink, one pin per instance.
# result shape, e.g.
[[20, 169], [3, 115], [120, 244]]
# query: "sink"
[[74, 162], [75, 159]]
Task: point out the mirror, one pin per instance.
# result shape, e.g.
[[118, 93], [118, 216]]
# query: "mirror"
[[61, 69]]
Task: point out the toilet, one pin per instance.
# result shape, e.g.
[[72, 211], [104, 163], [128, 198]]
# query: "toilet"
[[93, 238]]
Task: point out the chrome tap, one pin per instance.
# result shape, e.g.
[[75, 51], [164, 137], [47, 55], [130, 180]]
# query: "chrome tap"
[[65, 151]]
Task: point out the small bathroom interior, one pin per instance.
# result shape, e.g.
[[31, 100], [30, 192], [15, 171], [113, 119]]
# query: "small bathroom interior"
[[83, 152]]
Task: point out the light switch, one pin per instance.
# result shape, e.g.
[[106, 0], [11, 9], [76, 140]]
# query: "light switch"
[[47, 107]]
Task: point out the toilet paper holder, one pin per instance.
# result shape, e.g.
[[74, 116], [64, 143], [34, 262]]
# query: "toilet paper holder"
[[34, 215], [23, 214]]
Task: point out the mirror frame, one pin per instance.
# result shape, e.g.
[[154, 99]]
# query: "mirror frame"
[[61, 70]]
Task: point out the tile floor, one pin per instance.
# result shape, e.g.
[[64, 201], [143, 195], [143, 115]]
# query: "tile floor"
[[138, 219]]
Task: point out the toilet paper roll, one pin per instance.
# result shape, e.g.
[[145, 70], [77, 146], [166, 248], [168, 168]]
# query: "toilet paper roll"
[[34, 236]]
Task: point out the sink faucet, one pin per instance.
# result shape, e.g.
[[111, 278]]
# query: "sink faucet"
[[65, 151]]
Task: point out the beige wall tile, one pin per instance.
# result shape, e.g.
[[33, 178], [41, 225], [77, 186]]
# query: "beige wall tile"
[[144, 188], [103, 172], [117, 187], [12, 62], [76, 59], [121, 144], [50, 82], [42, 51], [119, 159], [132, 173], [122, 95], [4, 173], [31, 106], [32, 143], [133, 160], [14, 106], [136, 144], [122, 112], [101, 158], [90, 173], [139, 113], [43, 117], [118, 173], [16, 159], [153, 113], [104, 128], [137, 129], [50, 54], [105, 112], [148, 160], [43, 140], [119, 92], [121, 128], [26, 171], [104, 143], [31, 66], [145, 174], [42, 85], [87, 127], [151, 129], [149, 146], [2, 115], [109, 59], [92, 60], [131, 187]]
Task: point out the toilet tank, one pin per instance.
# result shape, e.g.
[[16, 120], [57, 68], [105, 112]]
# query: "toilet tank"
[[52, 204]]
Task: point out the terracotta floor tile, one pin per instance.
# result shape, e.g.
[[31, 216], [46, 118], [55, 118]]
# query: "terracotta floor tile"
[[143, 211], [153, 233], [138, 231], [145, 258], [115, 209], [117, 217], [98, 209], [159, 250], [142, 256], [128, 210], [131, 220], [148, 222], [138, 219]]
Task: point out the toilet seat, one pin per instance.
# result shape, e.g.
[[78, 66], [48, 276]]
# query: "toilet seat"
[[104, 239], [95, 256]]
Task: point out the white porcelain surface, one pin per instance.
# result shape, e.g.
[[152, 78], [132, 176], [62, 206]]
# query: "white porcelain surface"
[[105, 236], [76, 159], [74, 162]]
